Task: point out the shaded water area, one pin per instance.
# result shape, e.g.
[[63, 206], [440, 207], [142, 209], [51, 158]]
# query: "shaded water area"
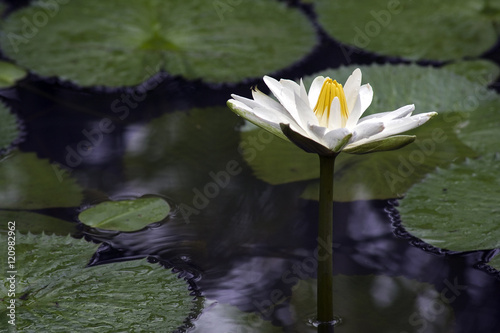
[[238, 240]]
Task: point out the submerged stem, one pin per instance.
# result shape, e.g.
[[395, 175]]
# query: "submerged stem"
[[325, 234]]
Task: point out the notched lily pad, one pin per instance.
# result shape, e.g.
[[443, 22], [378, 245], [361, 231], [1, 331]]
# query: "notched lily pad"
[[10, 74], [55, 292], [9, 128], [35, 223], [125, 215], [122, 43], [481, 132], [495, 262], [481, 71], [390, 27], [457, 208]]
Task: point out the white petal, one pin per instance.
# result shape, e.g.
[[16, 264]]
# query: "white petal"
[[250, 103], [335, 120], [354, 114], [402, 112], [318, 131], [310, 134], [291, 85], [366, 97], [242, 110], [267, 115], [266, 101], [333, 137], [303, 92], [366, 130], [314, 90], [305, 113], [351, 88], [285, 95], [401, 125]]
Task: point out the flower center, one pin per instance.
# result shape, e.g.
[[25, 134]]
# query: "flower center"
[[329, 91]]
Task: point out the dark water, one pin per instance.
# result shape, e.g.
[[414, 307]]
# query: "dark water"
[[250, 242]]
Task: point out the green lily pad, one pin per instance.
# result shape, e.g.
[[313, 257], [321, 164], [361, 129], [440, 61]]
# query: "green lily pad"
[[125, 215], [27, 182], [122, 43], [9, 128], [429, 88], [35, 223], [389, 304], [10, 74], [481, 132], [219, 317], [495, 262], [55, 292], [443, 31], [384, 175], [481, 71], [456, 208]]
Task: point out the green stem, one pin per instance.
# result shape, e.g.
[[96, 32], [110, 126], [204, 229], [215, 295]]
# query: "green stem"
[[325, 233]]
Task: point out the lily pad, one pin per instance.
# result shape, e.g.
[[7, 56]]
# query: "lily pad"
[[56, 293], [389, 304], [219, 317], [35, 223], [384, 175], [495, 262], [125, 215], [481, 132], [10, 74], [27, 182], [443, 31], [480, 71], [122, 43], [9, 128], [456, 208]]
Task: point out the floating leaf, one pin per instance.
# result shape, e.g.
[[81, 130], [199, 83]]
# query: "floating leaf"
[[9, 129], [35, 223], [27, 182], [120, 42], [429, 88], [10, 74], [444, 30], [481, 71], [218, 317], [481, 132], [125, 215], [376, 304], [384, 175], [495, 262], [56, 293], [457, 208]]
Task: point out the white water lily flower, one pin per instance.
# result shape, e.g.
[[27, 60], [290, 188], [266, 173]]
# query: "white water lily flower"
[[327, 119]]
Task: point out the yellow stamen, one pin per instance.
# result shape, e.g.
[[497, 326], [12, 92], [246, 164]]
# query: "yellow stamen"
[[329, 91]]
